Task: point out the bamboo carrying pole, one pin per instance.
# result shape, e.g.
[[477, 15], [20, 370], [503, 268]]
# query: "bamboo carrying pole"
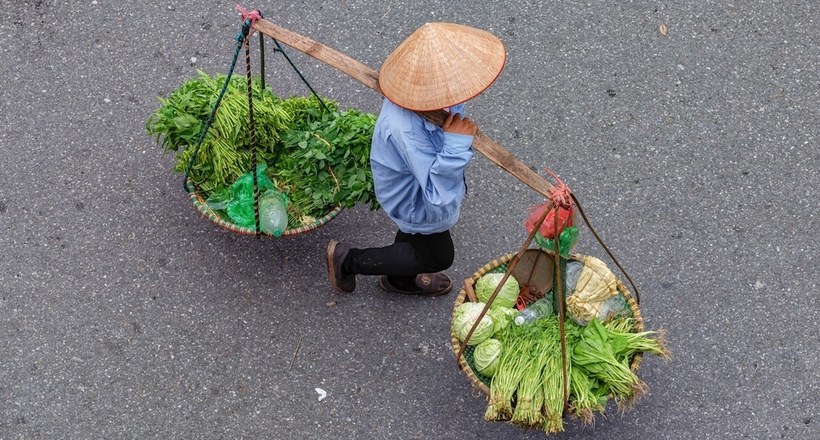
[[370, 78]]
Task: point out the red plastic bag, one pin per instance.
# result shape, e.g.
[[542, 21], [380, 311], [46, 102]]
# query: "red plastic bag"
[[566, 217], [562, 204]]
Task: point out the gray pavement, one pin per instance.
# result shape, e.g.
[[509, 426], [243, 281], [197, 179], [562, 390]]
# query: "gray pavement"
[[125, 315]]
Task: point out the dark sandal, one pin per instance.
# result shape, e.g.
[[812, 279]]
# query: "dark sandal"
[[428, 284], [334, 257]]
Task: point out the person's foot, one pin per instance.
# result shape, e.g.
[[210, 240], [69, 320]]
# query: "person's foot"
[[335, 256], [426, 284]]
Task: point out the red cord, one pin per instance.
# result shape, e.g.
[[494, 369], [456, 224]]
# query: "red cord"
[[249, 15]]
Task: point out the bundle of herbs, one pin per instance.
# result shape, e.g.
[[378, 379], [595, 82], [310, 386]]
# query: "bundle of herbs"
[[318, 157], [530, 397], [528, 386], [326, 162], [514, 361]]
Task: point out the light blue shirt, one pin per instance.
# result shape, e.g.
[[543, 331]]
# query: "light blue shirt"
[[418, 169]]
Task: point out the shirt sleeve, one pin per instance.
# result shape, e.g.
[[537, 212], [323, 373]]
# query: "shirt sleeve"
[[457, 109], [440, 174]]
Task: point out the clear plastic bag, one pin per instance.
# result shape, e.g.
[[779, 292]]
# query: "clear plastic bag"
[[607, 310], [273, 214], [573, 272]]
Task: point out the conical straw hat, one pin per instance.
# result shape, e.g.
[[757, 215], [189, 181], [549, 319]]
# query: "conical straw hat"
[[441, 65]]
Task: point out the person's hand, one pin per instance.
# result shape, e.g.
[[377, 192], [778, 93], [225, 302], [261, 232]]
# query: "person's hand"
[[456, 124]]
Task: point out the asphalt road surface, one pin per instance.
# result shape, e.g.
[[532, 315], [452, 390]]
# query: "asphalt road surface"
[[693, 148]]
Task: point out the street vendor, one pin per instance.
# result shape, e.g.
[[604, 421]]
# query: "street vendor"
[[418, 167]]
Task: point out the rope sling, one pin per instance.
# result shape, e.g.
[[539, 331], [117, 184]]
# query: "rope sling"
[[242, 40]]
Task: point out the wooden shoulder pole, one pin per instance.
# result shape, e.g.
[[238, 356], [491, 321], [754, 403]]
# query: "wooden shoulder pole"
[[356, 70], [370, 78]]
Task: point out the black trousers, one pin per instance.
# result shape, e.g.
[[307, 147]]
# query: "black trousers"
[[408, 256]]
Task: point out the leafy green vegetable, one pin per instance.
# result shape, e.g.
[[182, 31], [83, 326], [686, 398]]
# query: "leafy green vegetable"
[[530, 396], [507, 296], [511, 368], [553, 380], [502, 317], [626, 344], [527, 387], [225, 154], [486, 356], [595, 354], [319, 158], [584, 401], [327, 162], [466, 317]]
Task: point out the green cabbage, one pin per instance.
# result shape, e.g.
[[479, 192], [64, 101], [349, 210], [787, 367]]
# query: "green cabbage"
[[486, 355], [461, 309], [464, 318], [485, 286], [501, 318]]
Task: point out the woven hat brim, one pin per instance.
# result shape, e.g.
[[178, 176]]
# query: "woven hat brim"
[[441, 65]]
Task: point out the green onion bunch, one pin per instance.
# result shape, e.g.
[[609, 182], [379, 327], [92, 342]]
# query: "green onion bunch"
[[528, 386]]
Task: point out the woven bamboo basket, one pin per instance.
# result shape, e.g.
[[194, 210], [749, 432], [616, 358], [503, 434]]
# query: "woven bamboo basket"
[[207, 213], [465, 362]]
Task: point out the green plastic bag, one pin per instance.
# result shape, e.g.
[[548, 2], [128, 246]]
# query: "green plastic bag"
[[566, 241], [237, 200]]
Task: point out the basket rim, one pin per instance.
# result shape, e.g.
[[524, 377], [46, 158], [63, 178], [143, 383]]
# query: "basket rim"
[[462, 296], [207, 213]]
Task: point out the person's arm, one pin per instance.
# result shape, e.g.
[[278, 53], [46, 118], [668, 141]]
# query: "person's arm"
[[440, 174]]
